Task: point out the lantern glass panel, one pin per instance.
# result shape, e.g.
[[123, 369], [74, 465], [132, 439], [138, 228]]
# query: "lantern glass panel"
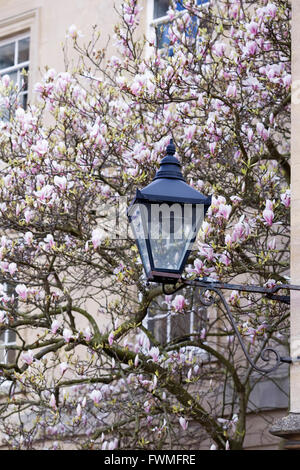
[[172, 230], [138, 224]]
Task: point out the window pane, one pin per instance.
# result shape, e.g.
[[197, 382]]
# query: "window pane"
[[180, 326], [160, 8], [24, 79], [10, 356], [11, 336], [162, 38], [2, 355], [23, 100], [14, 77], [7, 55], [23, 50], [159, 329], [2, 337]]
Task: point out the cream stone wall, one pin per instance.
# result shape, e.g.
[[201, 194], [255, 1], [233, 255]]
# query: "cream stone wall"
[[48, 22], [295, 212]]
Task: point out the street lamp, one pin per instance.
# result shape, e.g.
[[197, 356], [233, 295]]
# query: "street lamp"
[[165, 218]]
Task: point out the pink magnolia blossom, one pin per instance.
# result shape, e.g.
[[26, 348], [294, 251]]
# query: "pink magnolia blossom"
[[231, 91], [28, 214], [88, 334], [286, 198], [250, 49], [272, 244], [136, 361], [206, 228], [44, 194], [112, 445], [199, 268], [27, 357], [215, 204], [12, 268], [55, 325], [168, 299], [41, 147], [270, 283], [61, 182], [235, 199], [224, 258], [212, 147], [228, 240], [287, 80], [269, 204], [262, 131], [183, 423], [52, 401], [241, 231], [224, 211], [234, 298], [28, 238], [67, 334], [250, 135], [96, 396], [78, 410], [111, 338], [179, 303], [22, 292], [271, 10], [268, 215], [6, 80], [63, 367], [74, 32], [207, 251], [97, 237], [49, 240], [252, 28], [219, 49], [2, 316], [154, 353], [189, 132]]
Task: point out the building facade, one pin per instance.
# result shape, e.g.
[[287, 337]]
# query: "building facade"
[[31, 36]]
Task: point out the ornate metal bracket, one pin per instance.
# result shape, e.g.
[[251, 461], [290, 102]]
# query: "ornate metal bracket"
[[207, 284]]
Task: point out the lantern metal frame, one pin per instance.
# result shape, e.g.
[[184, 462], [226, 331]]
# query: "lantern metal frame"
[[215, 288], [168, 187]]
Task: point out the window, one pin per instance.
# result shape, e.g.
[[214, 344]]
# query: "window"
[[169, 327], [7, 339], [14, 62], [161, 21], [7, 336]]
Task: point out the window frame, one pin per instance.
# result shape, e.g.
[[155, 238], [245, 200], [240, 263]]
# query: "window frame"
[[17, 67], [5, 344], [197, 351], [154, 22]]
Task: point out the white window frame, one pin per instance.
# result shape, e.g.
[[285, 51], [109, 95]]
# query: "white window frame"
[[168, 316], [17, 67], [154, 22], [5, 345], [27, 23]]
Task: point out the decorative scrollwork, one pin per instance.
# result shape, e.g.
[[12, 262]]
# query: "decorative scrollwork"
[[206, 301]]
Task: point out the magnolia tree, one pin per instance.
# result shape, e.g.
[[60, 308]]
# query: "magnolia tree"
[[81, 364]]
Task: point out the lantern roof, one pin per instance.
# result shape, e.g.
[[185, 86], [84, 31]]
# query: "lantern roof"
[[169, 184]]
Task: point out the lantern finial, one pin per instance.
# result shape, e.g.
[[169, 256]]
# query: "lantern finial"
[[171, 148]]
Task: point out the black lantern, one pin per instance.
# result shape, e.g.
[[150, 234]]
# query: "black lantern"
[[165, 218]]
